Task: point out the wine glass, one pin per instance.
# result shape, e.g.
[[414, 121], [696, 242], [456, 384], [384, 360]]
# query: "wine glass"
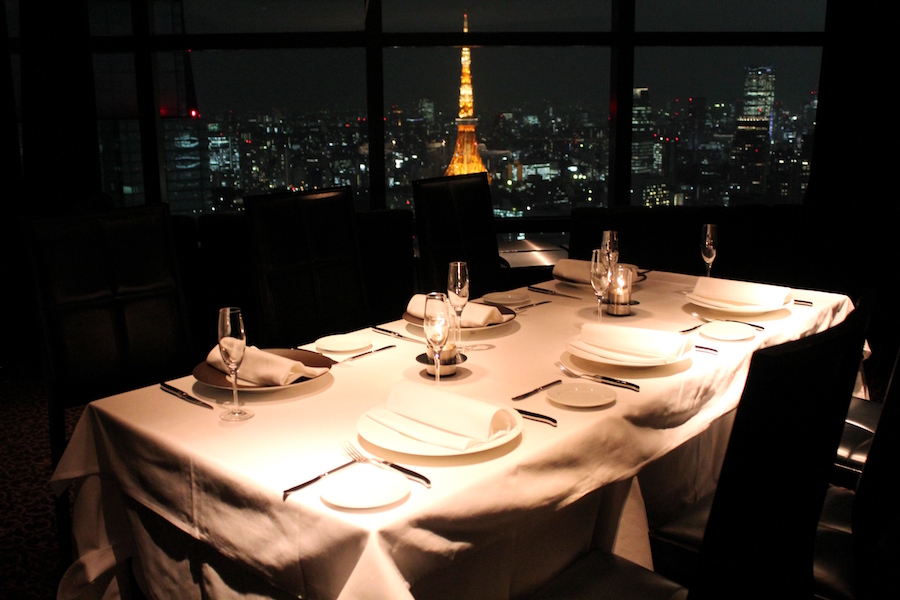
[[458, 295], [600, 276], [709, 240], [437, 327], [232, 343]]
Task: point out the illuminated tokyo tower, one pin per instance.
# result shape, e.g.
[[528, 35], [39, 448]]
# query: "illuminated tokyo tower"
[[466, 158]]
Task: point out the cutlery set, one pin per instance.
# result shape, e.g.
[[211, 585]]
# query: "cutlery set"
[[358, 457], [601, 378]]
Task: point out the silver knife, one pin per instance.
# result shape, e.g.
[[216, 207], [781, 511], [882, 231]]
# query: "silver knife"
[[536, 390], [183, 395], [395, 334], [551, 292], [537, 417], [618, 383], [410, 474], [290, 491], [354, 357]]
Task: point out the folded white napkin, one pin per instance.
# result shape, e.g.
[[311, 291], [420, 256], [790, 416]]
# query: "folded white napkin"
[[632, 343], [473, 315], [264, 368], [443, 419], [729, 292], [573, 270]]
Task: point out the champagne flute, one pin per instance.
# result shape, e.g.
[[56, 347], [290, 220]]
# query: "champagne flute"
[[232, 343], [458, 295], [610, 247], [437, 327], [708, 242], [600, 277]]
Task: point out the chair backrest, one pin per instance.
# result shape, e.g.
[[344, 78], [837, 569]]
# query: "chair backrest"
[[455, 221], [112, 308], [761, 530], [875, 519], [308, 266]]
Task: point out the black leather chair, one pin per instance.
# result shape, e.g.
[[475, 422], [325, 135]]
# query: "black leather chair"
[[857, 547], [853, 451], [307, 264], [112, 310], [455, 221], [676, 544], [388, 262], [758, 539]]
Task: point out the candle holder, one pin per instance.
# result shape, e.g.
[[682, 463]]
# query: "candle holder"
[[618, 296]]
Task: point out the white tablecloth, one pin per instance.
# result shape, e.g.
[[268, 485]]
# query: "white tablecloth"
[[203, 498]]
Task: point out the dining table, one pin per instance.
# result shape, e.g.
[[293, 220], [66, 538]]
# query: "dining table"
[[196, 506]]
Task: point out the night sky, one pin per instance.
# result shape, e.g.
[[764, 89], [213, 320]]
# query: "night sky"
[[503, 78]]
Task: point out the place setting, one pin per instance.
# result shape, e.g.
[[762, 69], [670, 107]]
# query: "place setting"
[[474, 317], [733, 297], [233, 365], [630, 347], [424, 420], [362, 482]]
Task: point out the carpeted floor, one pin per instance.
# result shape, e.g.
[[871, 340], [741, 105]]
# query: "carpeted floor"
[[29, 560]]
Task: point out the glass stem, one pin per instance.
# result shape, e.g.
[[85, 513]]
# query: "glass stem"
[[437, 368], [236, 408]]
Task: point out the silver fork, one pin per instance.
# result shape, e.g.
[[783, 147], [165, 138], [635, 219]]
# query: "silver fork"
[[354, 453], [601, 378], [705, 321]]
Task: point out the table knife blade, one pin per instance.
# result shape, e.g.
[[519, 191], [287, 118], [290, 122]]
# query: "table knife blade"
[[184, 395], [300, 486], [537, 417], [536, 390], [539, 290]]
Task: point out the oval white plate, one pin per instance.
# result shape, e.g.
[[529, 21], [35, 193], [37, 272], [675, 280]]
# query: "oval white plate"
[[346, 342], [507, 298], [582, 395], [364, 485], [389, 439], [727, 331]]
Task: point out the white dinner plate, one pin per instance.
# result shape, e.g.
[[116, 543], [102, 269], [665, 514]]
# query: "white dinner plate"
[[414, 320], [211, 376], [364, 485], [610, 357], [727, 331], [390, 439], [507, 298], [346, 342], [582, 394], [735, 309]]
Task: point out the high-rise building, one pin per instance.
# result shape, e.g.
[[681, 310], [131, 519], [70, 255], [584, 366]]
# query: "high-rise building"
[[643, 128], [751, 144], [466, 157], [759, 93]]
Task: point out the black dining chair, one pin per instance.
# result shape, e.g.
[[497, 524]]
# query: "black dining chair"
[[113, 317], [307, 264], [856, 542], [758, 539], [455, 221]]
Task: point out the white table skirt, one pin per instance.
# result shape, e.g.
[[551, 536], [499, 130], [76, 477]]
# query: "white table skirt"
[[494, 524]]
